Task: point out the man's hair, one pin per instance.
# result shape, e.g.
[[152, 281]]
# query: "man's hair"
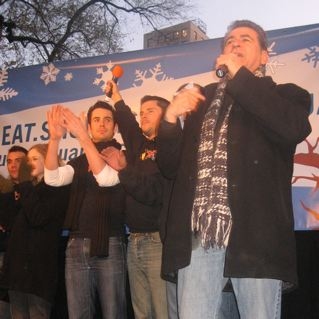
[[160, 101], [247, 24], [100, 105], [195, 85], [17, 148]]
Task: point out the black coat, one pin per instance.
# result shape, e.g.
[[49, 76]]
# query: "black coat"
[[31, 262], [266, 123]]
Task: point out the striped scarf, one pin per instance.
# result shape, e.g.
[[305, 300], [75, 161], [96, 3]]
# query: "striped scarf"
[[211, 216]]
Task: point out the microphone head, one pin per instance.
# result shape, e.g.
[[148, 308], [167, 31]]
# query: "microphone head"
[[117, 71], [221, 71]]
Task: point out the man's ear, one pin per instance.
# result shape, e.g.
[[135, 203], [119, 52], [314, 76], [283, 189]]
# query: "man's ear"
[[264, 57], [89, 130], [116, 129]]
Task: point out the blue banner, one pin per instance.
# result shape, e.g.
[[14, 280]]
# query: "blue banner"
[[27, 93]]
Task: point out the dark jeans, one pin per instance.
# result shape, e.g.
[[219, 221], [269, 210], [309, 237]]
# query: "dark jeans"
[[92, 279]]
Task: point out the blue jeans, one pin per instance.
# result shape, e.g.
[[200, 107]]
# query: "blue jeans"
[[171, 291], [201, 283], [148, 290], [89, 279]]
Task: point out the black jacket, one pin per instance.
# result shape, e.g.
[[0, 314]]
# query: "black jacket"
[[9, 208], [266, 123], [31, 262]]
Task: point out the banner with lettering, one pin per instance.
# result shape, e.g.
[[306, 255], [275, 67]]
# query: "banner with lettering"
[[27, 93]]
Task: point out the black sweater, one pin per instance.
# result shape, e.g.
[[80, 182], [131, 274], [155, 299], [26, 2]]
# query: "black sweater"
[[141, 178], [94, 212]]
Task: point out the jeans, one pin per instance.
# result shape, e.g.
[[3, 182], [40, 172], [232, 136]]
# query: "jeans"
[[148, 290], [201, 283], [171, 291], [28, 306], [95, 279], [228, 308]]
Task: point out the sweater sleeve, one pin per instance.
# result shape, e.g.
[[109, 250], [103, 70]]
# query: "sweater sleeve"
[[129, 128], [61, 176], [169, 143], [107, 177]]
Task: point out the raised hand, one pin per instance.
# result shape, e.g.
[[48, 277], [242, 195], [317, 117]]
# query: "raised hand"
[[56, 122], [185, 101], [114, 158], [76, 125]]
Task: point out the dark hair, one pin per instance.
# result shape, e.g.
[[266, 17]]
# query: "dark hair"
[[160, 101], [17, 148], [247, 24], [185, 85], [100, 105]]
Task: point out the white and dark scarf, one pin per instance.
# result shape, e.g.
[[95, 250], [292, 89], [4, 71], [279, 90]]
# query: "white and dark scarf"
[[211, 215]]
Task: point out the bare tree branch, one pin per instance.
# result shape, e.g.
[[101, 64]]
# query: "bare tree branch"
[[37, 31]]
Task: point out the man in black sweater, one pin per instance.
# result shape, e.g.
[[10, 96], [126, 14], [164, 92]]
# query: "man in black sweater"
[[144, 185], [95, 268]]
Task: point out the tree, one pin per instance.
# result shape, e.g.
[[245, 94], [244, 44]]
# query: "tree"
[[38, 31]]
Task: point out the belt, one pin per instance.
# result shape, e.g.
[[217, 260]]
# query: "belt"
[[137, 235]]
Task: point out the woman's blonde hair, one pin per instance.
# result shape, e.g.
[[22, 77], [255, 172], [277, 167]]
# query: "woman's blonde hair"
[[42, 148]]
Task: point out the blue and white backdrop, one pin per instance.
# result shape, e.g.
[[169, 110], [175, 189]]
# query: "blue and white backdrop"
[[27, 93]]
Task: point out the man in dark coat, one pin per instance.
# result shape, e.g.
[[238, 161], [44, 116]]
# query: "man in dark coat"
[[230, 213], [9, 189]]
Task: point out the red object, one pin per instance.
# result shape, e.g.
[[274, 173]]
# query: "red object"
[[117, 71]]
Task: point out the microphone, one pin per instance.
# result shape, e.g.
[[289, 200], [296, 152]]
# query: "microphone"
[[221, 71], [117, 72]]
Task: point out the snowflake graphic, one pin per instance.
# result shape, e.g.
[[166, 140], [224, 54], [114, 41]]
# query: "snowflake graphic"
[[105, 75], [270, 48], [6, 93], [49, 73], [273, 64], [156, 74], [68, 76], [312, 56]]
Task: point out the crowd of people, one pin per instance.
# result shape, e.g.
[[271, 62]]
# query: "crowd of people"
[[193, 212]]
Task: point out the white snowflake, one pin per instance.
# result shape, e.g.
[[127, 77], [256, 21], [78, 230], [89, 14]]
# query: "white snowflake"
[[68, 76], [6, 93], [49, 73], [150, 75], [271, 47], [3, 77], [273, 64], [104, 75]]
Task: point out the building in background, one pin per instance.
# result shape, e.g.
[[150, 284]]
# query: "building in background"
[[189, 31]]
